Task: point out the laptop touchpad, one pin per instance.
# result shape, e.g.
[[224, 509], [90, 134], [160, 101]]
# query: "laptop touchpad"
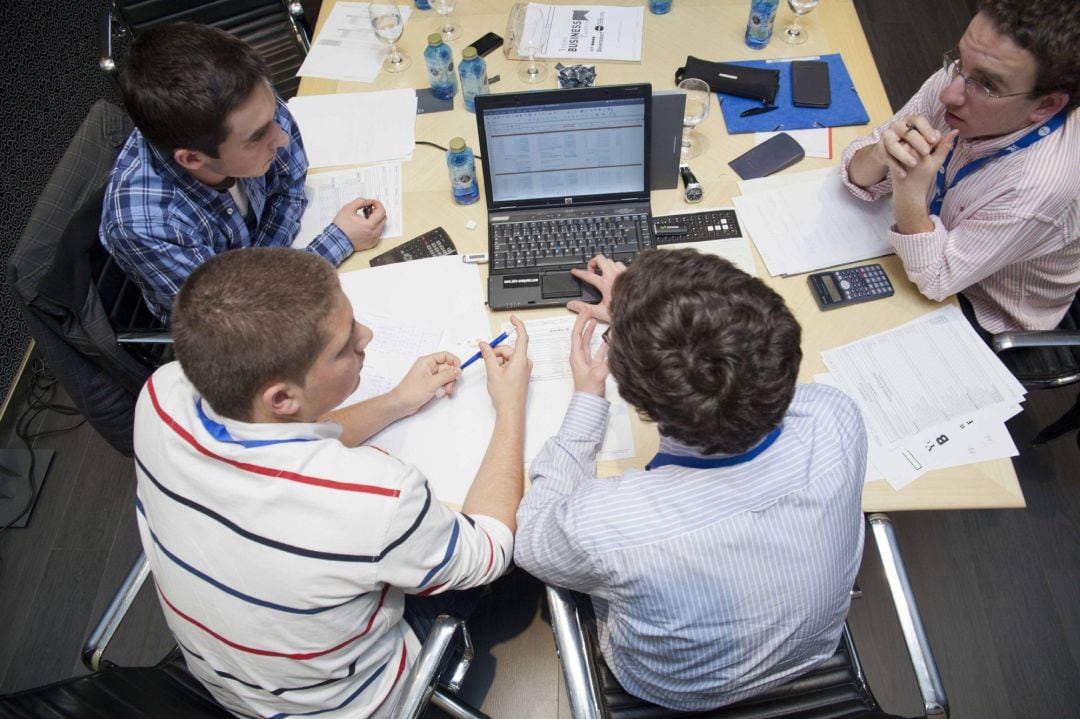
[[560, 284]]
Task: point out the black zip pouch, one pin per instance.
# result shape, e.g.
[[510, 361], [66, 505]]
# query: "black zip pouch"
[[752, 82]]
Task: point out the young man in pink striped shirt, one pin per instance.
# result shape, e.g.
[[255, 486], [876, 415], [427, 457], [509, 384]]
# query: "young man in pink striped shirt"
[[982, 166]]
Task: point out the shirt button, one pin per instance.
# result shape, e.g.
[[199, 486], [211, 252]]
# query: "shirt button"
[[228, 210]]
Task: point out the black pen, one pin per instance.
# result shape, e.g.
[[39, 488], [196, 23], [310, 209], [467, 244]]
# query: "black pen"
[[758, 110], [367, 209]]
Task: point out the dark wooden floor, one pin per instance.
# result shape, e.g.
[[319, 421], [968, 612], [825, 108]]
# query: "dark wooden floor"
[[999, 590]]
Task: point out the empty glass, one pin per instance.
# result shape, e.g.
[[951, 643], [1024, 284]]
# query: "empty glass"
[[793, 34], [698, 100], [529, 37], [450, 29], [388, 25]]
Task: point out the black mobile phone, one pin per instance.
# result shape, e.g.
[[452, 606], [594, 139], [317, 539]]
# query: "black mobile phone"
[[771, 156], [487, 43], [840, 288], [810, 83]]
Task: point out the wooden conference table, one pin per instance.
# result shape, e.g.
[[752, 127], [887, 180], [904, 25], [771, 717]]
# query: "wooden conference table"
[[710, 29]]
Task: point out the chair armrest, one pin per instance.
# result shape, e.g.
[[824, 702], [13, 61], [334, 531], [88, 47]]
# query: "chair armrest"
[[110, 621], [158, 337], [579, 672], [935, 703], [105, 54], [1048, 338], [420, 684]]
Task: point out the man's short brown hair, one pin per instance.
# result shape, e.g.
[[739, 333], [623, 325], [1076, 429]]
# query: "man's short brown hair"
[[703, 349], [251, 316], [1049, 30]]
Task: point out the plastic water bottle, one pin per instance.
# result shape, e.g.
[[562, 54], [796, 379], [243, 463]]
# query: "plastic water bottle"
[[462, 173], [660, 7], [422, 4], [440, 65], [759, 24], [473, 71]]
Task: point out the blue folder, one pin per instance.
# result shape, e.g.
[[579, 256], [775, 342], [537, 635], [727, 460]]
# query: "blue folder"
[[846, 107]]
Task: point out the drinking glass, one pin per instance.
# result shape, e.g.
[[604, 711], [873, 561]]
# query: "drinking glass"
[[698, 100], [449, 29], [529, 38], [388, 25], [793, 34]]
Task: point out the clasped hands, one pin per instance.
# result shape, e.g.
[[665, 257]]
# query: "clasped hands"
[[913, 151]]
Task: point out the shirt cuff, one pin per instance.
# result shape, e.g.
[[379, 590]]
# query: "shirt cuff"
[[332, 245], [921, 249], [586, 417], [873, 192]]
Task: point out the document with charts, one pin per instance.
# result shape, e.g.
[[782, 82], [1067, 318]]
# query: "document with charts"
[[327, 193], [583, 32]]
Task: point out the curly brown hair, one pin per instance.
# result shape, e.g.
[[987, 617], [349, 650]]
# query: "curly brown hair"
[[703, 349], [250, 316], [1049, 30]]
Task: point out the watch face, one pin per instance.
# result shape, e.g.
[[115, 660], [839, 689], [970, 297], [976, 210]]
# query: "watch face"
[[694, 193]]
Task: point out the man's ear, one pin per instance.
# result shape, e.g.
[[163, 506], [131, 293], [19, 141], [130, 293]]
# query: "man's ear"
[[1048, 106], [279, 401], [190, 160]]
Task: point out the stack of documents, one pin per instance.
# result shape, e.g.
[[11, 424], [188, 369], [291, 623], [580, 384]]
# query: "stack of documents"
[[808, 221], [447, 438], [933, 395], [346, 48], [357, 128]]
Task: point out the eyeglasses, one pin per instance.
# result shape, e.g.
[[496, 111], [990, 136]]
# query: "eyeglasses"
[[972, 88]]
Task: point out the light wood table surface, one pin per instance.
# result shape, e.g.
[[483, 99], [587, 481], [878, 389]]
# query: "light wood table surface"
[[712, 30]]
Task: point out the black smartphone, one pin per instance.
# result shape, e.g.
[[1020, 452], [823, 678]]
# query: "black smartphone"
[[771, 156], [810, 83], [487, 43]]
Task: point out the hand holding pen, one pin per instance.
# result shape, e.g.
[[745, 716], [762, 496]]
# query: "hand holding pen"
[[362, 221]]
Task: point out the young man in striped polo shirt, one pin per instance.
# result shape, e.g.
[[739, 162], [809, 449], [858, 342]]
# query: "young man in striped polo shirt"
[[982, 166], [284, 551], [726, 566]]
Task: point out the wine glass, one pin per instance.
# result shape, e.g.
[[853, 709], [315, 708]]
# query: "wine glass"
[[388, 25], [446, 26], [793, 34], [529, 37], [698, 99]]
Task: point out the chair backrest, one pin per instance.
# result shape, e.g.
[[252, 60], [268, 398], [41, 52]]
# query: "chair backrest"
[[280, 38], [54, 273]]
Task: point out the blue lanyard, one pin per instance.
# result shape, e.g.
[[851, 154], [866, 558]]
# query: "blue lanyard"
[[1026, 141], [663, 458]]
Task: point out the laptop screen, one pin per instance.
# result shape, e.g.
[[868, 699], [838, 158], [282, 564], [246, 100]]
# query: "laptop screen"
[[560, 149]]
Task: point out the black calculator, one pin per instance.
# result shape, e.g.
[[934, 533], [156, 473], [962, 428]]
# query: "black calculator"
[[433, 243], [840, 288]]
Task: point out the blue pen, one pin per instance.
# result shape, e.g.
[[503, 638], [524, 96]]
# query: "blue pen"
[[493, 343]]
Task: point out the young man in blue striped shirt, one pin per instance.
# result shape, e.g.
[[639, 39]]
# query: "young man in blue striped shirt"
[[216, 163], [724, 567], [296, 564]]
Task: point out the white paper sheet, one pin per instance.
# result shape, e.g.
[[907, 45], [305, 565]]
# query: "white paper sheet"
[[807, 221], [582, 33], [327, 192], [346, 48], [357, 128], [734, 249], [815, 143], [927, 372]]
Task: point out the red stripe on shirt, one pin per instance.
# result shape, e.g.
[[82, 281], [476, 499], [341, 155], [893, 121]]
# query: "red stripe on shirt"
[[256, 469], [491, 551], [266, 652], [431, 590]]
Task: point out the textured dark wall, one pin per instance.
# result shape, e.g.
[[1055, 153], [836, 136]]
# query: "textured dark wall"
[[48, 84]]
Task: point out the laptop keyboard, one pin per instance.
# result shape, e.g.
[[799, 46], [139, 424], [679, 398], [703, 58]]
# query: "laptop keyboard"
[[561, 244]]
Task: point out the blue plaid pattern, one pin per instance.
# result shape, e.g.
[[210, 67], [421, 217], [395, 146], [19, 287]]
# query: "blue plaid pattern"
[[160, 223]]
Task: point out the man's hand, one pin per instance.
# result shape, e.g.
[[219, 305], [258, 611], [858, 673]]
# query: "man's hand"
[[902, 144], [912, 183], [430, 376], [363, 232], [508, 371], [590, 371], [601, 274]]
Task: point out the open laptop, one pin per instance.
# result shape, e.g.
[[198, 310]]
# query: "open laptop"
[[566, 176]]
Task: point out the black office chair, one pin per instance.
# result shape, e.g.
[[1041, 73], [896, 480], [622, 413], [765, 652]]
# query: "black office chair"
[[169, 690], [836, 689], [277, 29], [73, 296], [1042, 360]]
